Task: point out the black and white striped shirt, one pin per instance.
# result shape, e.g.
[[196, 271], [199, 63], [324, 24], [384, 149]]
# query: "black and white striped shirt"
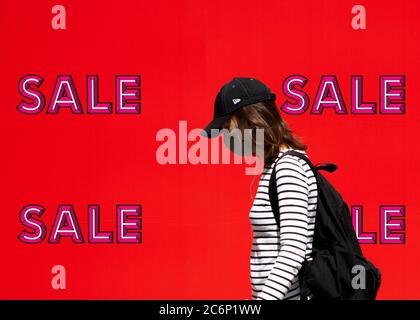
[[277, 255]]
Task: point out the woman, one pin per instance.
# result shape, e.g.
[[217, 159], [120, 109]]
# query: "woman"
[[277, 253]]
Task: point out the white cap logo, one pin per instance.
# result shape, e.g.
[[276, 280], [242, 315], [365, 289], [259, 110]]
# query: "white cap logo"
[[235, 101]]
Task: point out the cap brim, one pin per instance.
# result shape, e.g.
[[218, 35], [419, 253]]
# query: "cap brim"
[[214, 128]]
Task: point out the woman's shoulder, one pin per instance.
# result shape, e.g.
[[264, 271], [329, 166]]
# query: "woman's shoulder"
[[291, 161], [291, 157]]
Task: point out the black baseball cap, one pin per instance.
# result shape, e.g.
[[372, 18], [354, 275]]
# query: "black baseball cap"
[[235, 94]]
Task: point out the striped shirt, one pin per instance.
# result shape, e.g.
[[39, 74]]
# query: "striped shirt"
[[277, 254]]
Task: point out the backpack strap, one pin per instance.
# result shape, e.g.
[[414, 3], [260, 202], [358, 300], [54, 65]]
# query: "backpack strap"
[[330, 167], [272, 189]]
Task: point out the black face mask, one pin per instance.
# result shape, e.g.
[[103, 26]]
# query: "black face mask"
[[240, 143]]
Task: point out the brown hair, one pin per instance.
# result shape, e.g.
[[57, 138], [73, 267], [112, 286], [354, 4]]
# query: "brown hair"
[[265, 115]]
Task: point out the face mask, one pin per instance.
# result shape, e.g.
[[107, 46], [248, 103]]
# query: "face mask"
[[238, 143]]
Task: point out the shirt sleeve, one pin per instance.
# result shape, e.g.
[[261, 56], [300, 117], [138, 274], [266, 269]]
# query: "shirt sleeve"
[[293, 197]]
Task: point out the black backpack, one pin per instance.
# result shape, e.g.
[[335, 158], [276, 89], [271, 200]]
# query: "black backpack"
[[335, 251]]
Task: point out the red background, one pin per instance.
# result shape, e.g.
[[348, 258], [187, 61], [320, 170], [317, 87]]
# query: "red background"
[[196, 232]]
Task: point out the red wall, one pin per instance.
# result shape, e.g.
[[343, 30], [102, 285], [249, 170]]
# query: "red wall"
[[196, 233]]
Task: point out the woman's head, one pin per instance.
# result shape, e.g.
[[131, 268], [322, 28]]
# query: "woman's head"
[[265, 115]]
